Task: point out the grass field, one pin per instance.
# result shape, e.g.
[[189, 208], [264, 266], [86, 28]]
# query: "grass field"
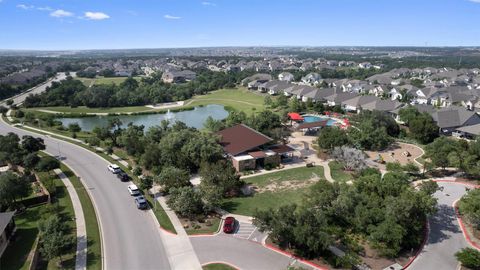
[[103, 80], [275, 189], [338, 174], [239, 99]]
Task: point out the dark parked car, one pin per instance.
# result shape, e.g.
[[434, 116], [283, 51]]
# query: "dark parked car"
[[141, 202], [123, 176], [229, 225]]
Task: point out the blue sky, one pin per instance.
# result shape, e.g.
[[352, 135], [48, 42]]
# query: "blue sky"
[[116, 24]]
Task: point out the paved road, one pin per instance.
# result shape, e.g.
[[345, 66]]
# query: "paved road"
[[242, 253], [37, 89], [445, 237], [131, 237]]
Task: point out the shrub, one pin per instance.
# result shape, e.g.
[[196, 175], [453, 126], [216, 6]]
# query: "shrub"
[[469, 257]]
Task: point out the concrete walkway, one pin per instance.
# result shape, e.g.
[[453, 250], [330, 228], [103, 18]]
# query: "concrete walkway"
[[180, 250], [81, 256]]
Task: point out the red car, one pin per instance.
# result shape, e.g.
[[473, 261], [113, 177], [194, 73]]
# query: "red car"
[[229, 225]]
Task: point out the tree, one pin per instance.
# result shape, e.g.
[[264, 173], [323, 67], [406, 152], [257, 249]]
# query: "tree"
[[411, 168], [440, 149], [268, 100], [352, 159], [53, 238], [387, 237], [115, 127], [31, 160], [218, 180], [172, 177], [48, 163], [9, 102], [185, 201], [213, 125], [331, 137], [469, 257], [429, 187], [423, 128], [74, 128], [469, 206], [146, 182], [13, 187], [32, 144], [3, 110]]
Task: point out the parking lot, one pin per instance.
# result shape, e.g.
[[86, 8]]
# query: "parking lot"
[[248, 231]]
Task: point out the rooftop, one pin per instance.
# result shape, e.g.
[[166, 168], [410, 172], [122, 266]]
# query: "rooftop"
[[241, 138]]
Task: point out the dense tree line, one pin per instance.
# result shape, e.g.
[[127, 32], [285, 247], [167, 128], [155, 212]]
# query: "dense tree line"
[[387, 211], [447, 152], [149, 90], [422, 127]]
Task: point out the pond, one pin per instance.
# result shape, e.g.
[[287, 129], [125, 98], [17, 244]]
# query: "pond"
[[194, 118]]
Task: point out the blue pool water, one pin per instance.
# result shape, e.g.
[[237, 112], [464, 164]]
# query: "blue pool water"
[[311, 118]]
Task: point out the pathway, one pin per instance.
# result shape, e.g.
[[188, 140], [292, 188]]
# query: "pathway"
[[81, 256], [180, 250], [445, 236]]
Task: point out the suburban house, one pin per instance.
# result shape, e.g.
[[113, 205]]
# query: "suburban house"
[[312, 78], [338, 98], [7, 229], [356, 104], [178, 76], [286, 76], [249, 149], [452, 118]]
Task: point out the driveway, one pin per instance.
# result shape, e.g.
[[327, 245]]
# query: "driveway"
[[445, 237], [131, 238]]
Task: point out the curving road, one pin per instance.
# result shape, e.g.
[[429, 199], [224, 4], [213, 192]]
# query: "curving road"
[[130, 238], [445, 236], [18, 99]]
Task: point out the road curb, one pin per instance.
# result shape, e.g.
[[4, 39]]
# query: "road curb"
[[286, 253], [463, 227], [221, 262], [424, 242]]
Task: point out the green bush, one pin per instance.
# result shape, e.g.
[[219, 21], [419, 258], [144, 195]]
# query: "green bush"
[[469, 257]]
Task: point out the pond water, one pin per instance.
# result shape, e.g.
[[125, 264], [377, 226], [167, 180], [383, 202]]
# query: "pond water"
[[194, 118]]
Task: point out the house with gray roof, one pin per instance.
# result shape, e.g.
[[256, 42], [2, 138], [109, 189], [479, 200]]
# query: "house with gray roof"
[[355, 104], [7, 229], [451, 118], [338, 98]]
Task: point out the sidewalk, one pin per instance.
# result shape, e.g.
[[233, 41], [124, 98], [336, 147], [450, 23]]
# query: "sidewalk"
[[180, 251], [81, 256]]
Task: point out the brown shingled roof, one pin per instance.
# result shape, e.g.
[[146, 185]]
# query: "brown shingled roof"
[[241, 138]]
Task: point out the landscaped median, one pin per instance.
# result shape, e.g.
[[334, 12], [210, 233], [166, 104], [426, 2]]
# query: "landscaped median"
[[160, 214]]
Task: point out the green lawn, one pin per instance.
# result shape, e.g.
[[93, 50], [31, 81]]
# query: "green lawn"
[[217, 266], [15, 256], [338, 174], [239, 99], [27, 229], [103, 80], [285, 187], [94, 253], [207, 230]]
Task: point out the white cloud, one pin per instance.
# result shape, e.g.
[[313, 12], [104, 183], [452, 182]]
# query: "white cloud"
[[170, 17], [96, 15], [475, 1], [205, 3], [22, 6], [60, 13], [45, 8]]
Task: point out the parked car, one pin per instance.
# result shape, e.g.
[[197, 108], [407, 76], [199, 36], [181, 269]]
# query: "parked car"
[[229, 225], [141, 202], [133, 190], [123, 176], [114, 168]]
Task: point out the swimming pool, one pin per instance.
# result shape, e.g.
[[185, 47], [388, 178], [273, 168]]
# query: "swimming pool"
[[311, 118]]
